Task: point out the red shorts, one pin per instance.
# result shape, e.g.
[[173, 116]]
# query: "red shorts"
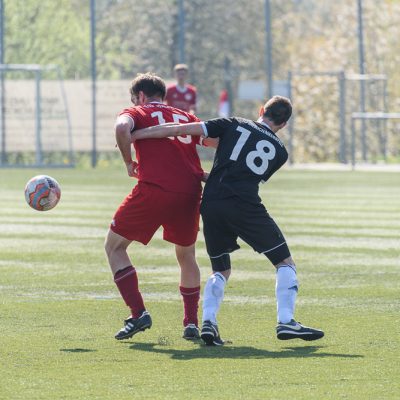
[[148, 207]]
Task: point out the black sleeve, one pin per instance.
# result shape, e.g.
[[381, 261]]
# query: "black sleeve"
[[218, 126]]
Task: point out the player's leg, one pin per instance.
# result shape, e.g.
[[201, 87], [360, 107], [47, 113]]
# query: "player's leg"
[[213, 295], [286, 293], [286, 289], [190, 273], [220, 241], [262, 233], [116, 249], [181, 226], [189, 288], [133, 221], [125, 277]]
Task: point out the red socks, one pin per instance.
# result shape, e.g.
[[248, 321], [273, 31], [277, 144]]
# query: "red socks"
[[191, 297], [127, 283]]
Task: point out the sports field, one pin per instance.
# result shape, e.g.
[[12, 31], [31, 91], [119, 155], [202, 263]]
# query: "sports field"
[[60, 308]]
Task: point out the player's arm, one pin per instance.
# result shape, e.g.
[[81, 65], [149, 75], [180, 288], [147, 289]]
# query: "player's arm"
[[214, 129], [162, 131], [123, 127]]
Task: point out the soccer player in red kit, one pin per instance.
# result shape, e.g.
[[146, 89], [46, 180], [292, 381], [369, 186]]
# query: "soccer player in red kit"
[[182, 95], [167, 194]]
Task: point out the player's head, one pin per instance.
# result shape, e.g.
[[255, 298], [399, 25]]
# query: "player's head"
[[147, 87], [277, 110], [181, 72]]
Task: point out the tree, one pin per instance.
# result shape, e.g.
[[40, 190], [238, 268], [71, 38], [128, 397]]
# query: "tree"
[[47, 32]]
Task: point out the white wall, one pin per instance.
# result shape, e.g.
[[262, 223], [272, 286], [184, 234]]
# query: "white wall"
[[112, 97]]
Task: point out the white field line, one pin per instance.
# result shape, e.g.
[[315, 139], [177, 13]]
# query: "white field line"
[[80, 234], [329, 230], [345, 243], [165, 297], [344, 167]]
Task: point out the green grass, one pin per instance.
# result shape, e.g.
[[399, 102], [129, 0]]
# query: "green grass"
[[60, 308]]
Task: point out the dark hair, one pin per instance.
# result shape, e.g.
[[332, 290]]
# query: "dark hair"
[[278, 109], [150, 84]]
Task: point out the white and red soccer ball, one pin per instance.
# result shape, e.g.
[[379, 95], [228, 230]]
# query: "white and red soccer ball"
[[42, 192]]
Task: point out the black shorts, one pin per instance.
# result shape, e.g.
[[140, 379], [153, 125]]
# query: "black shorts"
[[225, 220]]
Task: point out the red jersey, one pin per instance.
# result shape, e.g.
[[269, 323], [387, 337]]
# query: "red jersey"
[[171, 163], [185, 98]]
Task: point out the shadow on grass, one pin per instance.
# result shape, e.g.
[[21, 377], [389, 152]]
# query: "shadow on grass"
[[241, 352], [77, 350]]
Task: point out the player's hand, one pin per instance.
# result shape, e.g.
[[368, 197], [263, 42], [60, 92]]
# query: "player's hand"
[[133, 169], [205, 176], [210, 142]]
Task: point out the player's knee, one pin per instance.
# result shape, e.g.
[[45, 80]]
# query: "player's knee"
[[221, 264], [107, 247], [111, 247], [185, 259], [185, 255], [226, 274], [286, 262]]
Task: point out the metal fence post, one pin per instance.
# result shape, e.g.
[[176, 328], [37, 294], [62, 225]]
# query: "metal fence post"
[[291, 121], [384, 122], [3, 158], [342, 118], [362, 72], [38, 118], [353, 143], [94, 77], [268, 47], [181, 19]]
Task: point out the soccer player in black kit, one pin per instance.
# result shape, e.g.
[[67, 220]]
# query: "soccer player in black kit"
[[249, 152]]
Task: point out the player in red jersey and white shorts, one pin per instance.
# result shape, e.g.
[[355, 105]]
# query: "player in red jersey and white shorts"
[[167, 194], [182, 95]]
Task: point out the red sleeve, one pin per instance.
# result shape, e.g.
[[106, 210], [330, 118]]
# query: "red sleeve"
[[193, 118], [130, 112]]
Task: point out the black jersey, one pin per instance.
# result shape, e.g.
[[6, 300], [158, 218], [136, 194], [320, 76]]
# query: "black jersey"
[[248, 153]]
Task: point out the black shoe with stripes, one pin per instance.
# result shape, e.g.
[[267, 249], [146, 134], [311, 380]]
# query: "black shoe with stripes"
[[191, 332], [295, 330], [210, 334], [133, 326]]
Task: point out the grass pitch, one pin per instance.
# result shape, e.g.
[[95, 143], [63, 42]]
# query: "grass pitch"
[[60, 308]]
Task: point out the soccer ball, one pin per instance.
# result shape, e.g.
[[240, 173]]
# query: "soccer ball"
[[42, 192]]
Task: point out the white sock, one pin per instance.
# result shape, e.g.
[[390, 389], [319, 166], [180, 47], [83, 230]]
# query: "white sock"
[[213, 296], [286, 292]]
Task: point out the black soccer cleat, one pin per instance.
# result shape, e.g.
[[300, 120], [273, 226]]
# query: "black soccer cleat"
[[133, 326], [191, 332], [294, 330], [210, 334]]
